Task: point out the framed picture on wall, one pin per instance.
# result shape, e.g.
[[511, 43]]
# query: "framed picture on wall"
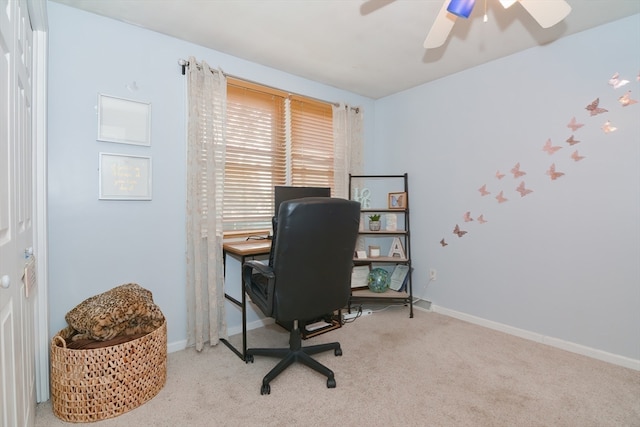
[[398, 200], [124, 120], [124, 177]]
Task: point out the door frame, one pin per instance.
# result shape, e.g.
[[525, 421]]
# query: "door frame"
[[39, 22]]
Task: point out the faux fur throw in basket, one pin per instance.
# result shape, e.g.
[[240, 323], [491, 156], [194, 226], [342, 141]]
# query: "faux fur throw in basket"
[[124, 310]]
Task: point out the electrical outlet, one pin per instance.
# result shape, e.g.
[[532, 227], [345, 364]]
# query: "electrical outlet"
[[433, 274]]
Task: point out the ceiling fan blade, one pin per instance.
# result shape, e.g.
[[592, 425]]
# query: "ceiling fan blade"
[[440, 29], [548, 13]]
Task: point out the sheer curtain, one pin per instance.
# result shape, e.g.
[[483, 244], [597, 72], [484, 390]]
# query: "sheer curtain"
[[205, 183], [348, 146]]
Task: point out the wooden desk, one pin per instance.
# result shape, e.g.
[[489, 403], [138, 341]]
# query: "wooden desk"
[[242, 250], [248, 247]]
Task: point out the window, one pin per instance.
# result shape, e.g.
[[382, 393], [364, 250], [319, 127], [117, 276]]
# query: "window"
[[272, 138]]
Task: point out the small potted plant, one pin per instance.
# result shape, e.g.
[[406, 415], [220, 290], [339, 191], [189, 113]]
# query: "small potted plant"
[[374, 222]]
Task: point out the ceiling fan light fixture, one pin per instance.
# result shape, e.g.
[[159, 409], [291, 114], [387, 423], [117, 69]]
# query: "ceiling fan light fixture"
[[507, 3], [461, 8]]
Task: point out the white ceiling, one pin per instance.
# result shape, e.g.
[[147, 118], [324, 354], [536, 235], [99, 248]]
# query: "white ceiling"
[[369, 47]]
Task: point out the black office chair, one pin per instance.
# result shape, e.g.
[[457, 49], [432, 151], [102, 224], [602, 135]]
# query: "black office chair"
[[310, 276]]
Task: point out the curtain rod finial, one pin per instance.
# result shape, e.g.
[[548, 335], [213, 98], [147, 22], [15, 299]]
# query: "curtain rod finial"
[[184, 64]]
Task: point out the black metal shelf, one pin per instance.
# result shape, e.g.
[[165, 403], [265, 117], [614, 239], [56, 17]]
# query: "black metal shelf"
[[359, 296]]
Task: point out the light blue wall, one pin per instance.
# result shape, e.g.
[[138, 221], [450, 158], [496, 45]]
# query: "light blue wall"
[[95, 245], [564, 261]]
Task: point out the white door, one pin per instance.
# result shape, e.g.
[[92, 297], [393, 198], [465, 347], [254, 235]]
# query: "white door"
[[17, 357]]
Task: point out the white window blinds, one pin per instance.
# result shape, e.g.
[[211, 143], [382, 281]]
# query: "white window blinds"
[[272, 139]]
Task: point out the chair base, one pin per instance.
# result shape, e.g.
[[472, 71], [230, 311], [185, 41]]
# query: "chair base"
[[295, 353]]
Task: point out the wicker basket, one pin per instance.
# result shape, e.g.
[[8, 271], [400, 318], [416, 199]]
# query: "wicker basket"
[[94, 384]]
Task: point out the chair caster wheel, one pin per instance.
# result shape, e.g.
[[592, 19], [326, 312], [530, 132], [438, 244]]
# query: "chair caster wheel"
[[266, 389], [338, 352], [331, 383], [248, 358]]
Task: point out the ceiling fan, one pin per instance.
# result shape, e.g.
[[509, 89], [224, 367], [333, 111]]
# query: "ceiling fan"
[[547, 13]]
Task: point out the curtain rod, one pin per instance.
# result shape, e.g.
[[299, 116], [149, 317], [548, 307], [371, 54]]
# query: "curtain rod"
[[184, 64]]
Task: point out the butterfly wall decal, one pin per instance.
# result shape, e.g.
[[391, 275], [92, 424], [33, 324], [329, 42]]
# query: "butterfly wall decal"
[[577, 157], [523, 191], [574, 125], [517, 173], [551, 149], [500, 197], [483, 190], [552, 172], [607, 127], [481, 219], [617, 82], [625, 100], [593, 108], [467, 217], [499, 175], [572, 141], [443, 243], [459, 232]]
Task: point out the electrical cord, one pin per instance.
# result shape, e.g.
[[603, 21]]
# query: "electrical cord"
[[358, 314], [257, 238]]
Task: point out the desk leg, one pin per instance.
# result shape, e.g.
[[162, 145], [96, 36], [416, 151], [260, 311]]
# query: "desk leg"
[[244, 320], [243, 305]]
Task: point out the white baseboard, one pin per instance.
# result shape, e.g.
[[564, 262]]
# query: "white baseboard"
[[615, 359], [182, 344], [252, 325], [176, 346]]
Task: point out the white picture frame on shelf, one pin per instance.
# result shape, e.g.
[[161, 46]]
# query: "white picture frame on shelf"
[[361, 254], [360, 276], [398, 277], [124, 121], [398, 200], [124, 177]]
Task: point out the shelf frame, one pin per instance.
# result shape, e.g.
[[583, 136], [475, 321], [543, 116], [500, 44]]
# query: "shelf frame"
[[359, 296]]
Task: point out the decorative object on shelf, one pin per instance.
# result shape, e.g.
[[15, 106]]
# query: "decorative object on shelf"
[[391, 222], [361, 254], [363, 196], [398, 278], [360, 276], [374, 222], [378, 280], [374, 251], [396, 249], [398, 200]]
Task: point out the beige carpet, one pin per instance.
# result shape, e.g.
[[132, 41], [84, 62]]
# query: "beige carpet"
[[431, 370]]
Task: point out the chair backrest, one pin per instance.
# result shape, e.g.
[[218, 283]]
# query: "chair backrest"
[[313, 257]]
